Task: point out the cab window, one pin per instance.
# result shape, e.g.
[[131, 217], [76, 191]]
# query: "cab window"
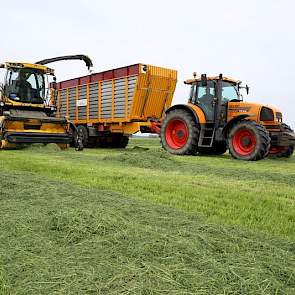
[[229, 92]]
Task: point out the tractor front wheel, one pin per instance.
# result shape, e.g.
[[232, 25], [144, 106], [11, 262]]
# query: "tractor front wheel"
[[248, 141], [180, 133]]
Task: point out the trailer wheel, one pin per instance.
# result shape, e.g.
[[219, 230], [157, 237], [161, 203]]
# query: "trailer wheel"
[[248, 141], [83, 134], [119, 141], [218, 148], [180, 133]]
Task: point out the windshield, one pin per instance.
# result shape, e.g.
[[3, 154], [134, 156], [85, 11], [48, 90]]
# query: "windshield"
[[229, 92], [25, 85]]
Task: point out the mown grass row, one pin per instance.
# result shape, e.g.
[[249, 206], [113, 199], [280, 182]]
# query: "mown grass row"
[[255, 195]]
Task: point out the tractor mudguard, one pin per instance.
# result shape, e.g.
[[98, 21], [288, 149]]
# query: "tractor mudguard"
[[185, 107]]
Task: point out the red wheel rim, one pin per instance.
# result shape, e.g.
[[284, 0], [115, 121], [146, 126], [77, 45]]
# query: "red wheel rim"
[[244, 142], [176, 134]]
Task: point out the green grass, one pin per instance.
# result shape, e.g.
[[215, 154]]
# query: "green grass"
[[258, 195], [140, 221]]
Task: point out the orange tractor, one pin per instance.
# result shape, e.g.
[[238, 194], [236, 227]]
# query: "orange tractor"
[[216, 119]]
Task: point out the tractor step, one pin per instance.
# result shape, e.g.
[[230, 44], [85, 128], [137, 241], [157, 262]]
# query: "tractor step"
[[207, 135]]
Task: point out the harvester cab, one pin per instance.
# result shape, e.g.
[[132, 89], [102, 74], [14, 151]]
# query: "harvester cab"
[[26, 113], [216, 119]]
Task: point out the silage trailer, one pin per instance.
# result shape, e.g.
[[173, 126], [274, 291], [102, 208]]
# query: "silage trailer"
[[107, 107]]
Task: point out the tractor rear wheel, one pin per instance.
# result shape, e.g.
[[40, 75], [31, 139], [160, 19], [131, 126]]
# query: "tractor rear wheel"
[[180, 133], [218, 148], [248, 141]]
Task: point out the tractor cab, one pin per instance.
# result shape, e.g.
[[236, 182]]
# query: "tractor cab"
[[24, 85], [212, 94]]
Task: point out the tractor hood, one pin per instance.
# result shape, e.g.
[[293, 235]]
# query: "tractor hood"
[[257, 112]]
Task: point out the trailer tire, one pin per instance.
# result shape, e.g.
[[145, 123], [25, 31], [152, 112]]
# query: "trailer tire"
[[180, 133], [119, 141], [83, 134], [248, 141]]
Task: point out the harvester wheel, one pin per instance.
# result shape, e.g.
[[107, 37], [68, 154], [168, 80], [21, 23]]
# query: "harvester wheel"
[[83, 134], [248, 141], [180, 133], [218, 148]]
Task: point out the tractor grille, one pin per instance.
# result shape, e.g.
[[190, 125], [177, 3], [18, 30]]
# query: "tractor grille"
[[266, 114]]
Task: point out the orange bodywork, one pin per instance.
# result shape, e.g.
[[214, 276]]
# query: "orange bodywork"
[[199, 113], [235, 109], [252, 110]]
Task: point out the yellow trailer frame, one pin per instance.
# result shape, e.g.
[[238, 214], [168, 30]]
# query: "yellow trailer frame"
[[123, 100]]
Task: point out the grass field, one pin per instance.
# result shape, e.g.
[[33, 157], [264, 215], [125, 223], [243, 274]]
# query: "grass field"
[[140, 221]]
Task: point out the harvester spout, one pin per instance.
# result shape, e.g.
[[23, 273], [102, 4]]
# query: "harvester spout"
[[85, 58]]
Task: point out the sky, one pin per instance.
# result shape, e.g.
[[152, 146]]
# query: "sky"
[[253, 41]]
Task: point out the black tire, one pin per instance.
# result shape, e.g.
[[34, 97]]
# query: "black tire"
[[218, 148], [102, 142], [180, 142], [289, 152], [282, 152], [83, 134], [92, 142], [119, 141], [248, 141]]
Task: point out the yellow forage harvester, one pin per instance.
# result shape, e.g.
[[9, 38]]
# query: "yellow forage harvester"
[[26, 114]]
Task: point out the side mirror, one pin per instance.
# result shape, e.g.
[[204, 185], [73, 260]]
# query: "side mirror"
[[204, 80]]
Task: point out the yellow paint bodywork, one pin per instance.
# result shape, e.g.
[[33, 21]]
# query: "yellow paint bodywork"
[[154, 92], [19, 126], [42, 68], [24, 127]]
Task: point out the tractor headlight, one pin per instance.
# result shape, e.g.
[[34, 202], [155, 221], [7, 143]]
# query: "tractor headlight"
[[266, 114]]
